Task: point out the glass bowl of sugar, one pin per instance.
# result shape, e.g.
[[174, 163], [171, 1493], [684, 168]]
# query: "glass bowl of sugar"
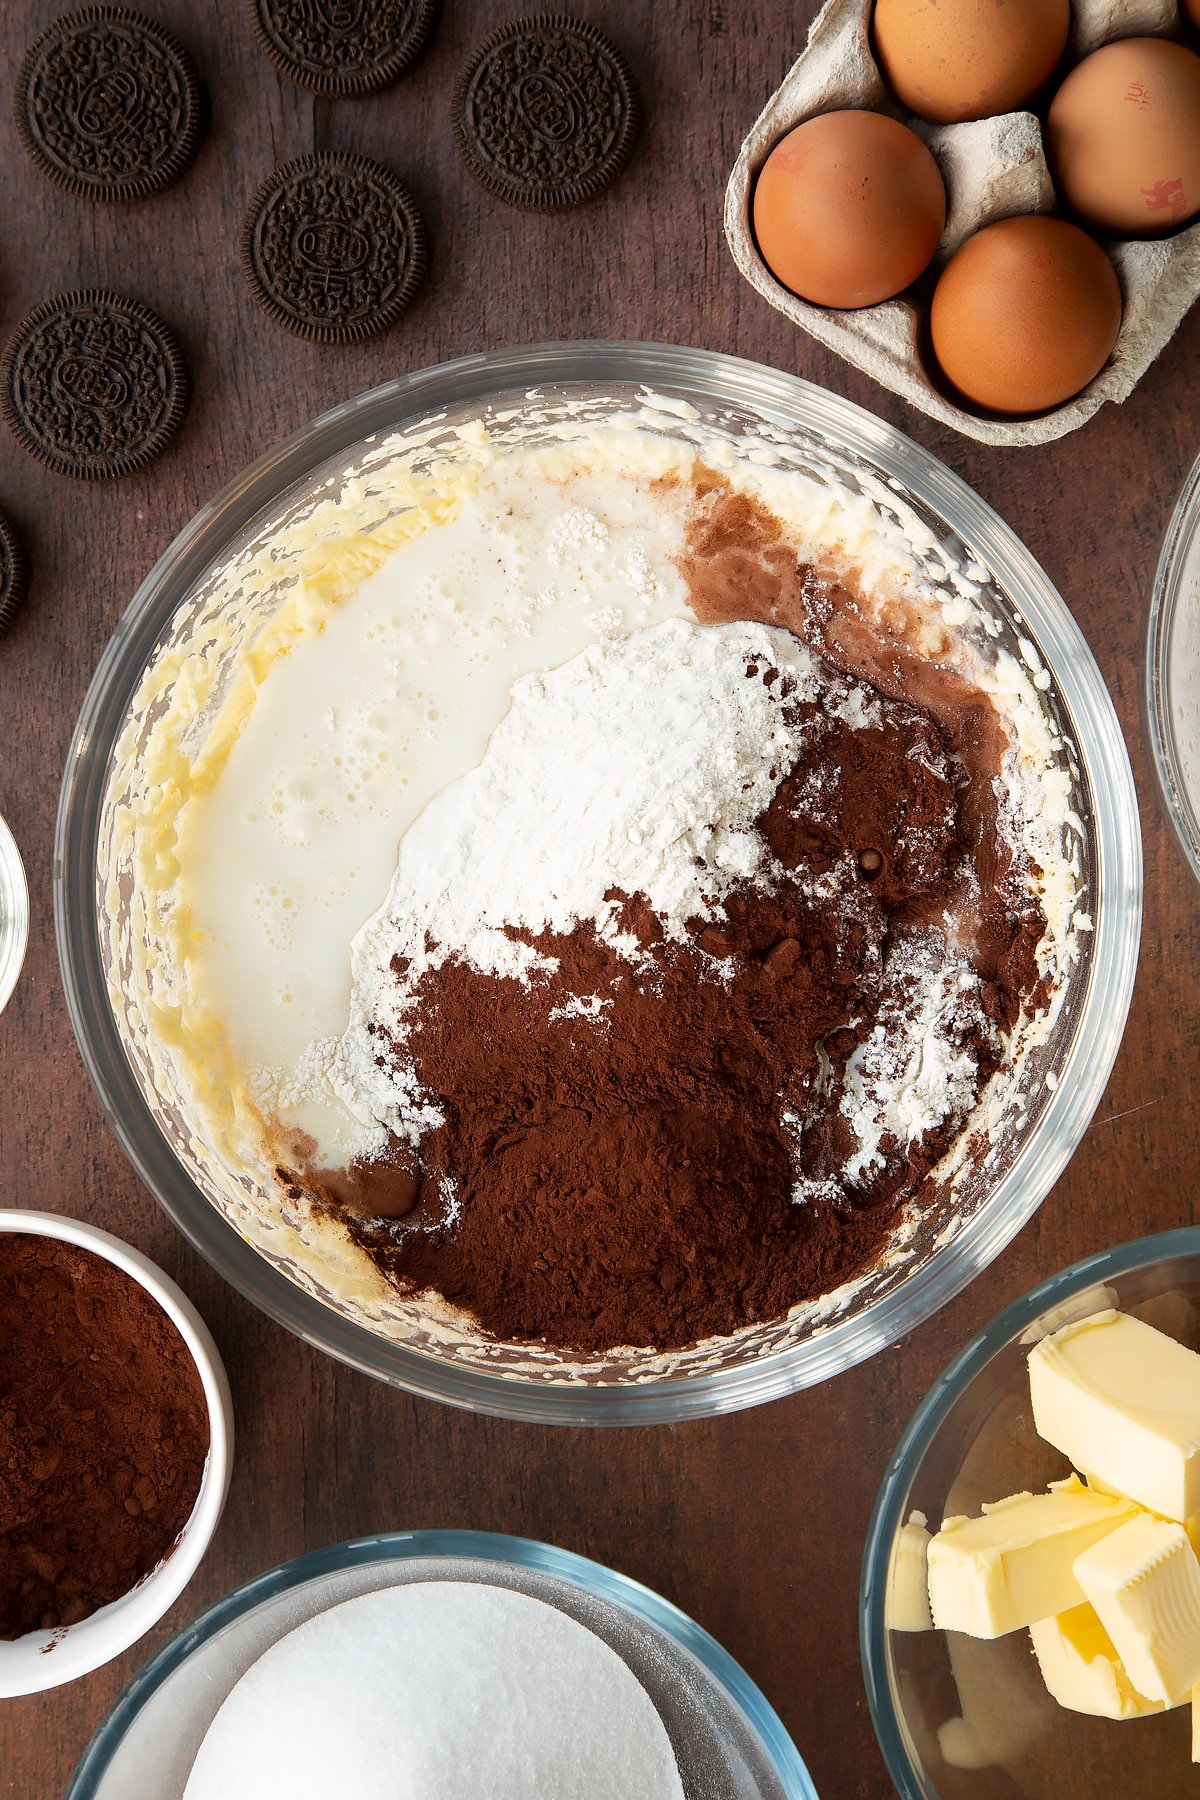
[[1171, 675], [393, 1260], [960, 1717], [477, 1662]]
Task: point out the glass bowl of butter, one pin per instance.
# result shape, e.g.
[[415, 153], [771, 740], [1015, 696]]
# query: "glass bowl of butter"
[[1030, 1602], [318, 672]]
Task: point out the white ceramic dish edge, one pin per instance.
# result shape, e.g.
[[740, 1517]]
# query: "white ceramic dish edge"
[[14, 906]]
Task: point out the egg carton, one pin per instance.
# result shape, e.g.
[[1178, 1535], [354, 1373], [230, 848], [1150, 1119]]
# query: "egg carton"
[[992, 168]]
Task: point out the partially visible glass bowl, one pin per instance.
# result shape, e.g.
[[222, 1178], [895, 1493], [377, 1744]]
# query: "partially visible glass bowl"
[[1171, 675], [728, 1742], [836, 440], [942, 1702]]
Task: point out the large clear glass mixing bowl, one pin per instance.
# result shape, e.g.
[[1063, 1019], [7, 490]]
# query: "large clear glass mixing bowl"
[[831, 439]]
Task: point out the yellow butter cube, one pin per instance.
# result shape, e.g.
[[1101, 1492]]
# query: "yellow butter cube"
[[908, 1583], [1144, 1581], [1081, 1668], [1015, 1564], [1123, 1400]]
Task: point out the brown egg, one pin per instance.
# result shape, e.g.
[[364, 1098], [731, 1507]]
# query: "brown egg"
[[1123, 133], [1190, 11], [968, 59], [848, 208], [1024, 314]]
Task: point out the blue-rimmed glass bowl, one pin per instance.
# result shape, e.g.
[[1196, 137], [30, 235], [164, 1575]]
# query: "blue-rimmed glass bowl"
[[960, 1719], [729, 1743]]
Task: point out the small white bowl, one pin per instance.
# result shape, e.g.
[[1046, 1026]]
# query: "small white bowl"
[[14, 914], [47, 1659]]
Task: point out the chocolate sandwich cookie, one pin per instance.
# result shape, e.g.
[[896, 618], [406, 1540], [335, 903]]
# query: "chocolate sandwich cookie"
[[544, 112], [14, 574], [343, 48], [109, 104], [334, 247], [93, 384]]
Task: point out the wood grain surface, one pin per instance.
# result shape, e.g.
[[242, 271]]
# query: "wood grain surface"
[[753, 1524]]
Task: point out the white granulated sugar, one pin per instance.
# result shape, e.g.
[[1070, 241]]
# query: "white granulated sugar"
[[438, 1691], [640, 764]]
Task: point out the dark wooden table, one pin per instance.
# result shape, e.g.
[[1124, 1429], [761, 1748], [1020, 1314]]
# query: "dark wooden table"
[[753, 1524]]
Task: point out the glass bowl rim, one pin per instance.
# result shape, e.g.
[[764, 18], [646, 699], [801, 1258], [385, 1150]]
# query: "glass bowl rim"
[[482, 1546], [786, 399], [918, 1435], [1165, 595]]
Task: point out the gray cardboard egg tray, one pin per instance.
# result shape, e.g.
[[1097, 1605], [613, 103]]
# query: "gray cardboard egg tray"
[[992, 168]]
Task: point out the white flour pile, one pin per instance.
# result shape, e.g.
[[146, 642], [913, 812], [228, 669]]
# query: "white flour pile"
[[438, 1691]]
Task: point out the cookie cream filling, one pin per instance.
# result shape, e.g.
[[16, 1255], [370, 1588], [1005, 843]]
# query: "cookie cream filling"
[[504, 708]]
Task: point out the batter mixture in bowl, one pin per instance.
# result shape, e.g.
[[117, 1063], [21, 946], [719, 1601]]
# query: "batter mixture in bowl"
[[596, 882]]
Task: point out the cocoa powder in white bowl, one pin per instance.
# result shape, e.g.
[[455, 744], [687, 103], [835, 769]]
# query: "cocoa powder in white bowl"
[[116, 1435]]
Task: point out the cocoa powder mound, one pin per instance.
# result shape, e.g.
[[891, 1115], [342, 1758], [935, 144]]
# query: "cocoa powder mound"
[[621, 1145], [103, 1433]]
